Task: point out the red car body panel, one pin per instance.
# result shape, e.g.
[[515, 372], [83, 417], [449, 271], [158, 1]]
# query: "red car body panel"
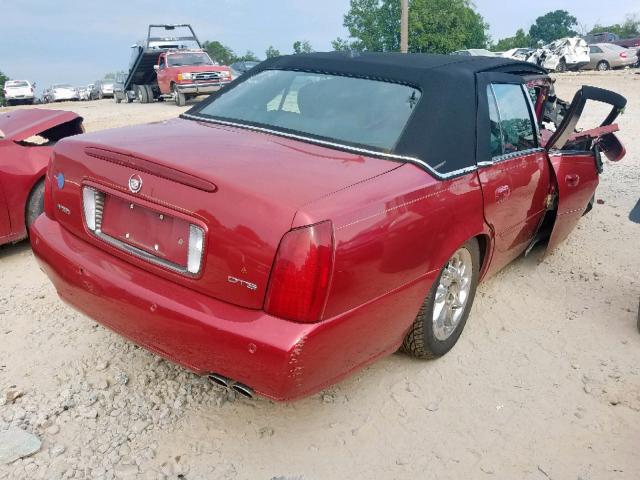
[[22, 166], [247, 177]]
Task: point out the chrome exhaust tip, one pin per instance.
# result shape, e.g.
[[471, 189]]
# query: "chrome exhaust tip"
[[243, 390], [230, 384], [220, 380]]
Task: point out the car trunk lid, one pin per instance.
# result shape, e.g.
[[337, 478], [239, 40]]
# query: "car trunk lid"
[[156, 183]]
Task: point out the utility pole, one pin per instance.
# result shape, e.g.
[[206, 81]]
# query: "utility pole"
[[404, 26]]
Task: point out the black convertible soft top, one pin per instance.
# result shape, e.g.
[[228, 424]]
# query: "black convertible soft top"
[[442, 130]]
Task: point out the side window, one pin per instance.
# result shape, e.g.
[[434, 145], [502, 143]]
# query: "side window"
[[495, 140], [515, 118], [593, 49]]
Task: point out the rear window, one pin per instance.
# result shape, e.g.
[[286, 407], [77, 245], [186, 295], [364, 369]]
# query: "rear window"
[[17, 83], [349, 110]]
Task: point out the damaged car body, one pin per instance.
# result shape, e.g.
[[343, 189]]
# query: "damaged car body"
[[320, 216], [570, 53], [27, 138]]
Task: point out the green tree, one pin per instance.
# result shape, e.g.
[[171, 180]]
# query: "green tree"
[[341, 45], [249, 56], [219, 52], [519, 40], [435, 26], [628, 29], [552, 26], [272, 52], [302, 46], [3, 78]]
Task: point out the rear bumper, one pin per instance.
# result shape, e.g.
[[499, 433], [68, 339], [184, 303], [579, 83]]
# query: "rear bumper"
[[279, 359], [19, 97], [201, 88]]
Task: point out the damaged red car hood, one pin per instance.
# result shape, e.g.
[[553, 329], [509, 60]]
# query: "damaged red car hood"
[[268, 166], [22, 124]]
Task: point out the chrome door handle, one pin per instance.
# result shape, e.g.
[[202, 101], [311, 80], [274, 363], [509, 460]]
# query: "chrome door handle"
[[502, 193], [572, 179]]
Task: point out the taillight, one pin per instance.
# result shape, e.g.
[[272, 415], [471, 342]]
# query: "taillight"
[[301, 274]]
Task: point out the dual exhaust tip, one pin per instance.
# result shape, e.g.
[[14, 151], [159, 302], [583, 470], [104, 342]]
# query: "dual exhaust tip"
[[237, 387]]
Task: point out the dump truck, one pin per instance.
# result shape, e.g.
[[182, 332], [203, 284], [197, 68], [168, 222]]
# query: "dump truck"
[[170, 65]]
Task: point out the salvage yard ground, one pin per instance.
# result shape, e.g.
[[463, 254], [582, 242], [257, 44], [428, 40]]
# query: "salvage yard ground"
[[544, 382]]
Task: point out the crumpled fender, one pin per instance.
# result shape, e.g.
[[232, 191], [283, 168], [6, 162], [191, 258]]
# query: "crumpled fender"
[[18, 125]]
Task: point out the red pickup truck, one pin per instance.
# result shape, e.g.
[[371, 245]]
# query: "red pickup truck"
[[182, 74]]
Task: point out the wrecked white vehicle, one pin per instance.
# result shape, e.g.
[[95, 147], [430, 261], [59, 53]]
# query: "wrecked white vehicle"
[[570, 53]]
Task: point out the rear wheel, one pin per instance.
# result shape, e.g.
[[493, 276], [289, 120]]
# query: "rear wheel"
[[444, 312], [35, 204], [603, 66], [141, 94], [149, 93]]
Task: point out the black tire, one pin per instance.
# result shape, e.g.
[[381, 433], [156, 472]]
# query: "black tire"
[[141, 94], [35, 204], [149, 93], [179, 97], [603, 66], [421, 341], [562, 66]]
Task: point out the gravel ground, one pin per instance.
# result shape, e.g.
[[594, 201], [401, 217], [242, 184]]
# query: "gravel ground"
[[543, 384]]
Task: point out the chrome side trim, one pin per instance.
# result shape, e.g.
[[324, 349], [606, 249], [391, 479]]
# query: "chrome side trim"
[[572, 153], [510, 156], [340, 146]]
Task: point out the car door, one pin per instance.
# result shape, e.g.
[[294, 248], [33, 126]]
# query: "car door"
[[163, 78], [595, 54], [513, 169], [576, 160]]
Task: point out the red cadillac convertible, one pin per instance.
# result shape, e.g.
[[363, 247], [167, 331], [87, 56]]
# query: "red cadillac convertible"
[[318, 213]]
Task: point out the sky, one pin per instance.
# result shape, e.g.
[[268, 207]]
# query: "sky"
[[67, 41]]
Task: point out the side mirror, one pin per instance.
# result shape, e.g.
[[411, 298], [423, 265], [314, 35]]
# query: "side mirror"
[[156, 67]]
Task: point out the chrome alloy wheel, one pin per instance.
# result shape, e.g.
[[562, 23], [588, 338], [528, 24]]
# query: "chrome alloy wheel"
[[452, 294]]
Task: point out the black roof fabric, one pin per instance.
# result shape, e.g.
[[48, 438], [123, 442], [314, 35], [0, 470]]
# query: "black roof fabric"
[[442, 129]]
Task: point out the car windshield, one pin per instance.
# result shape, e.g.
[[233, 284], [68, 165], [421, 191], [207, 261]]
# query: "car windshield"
[[350, 110], [181, 59], [16, 84], [63, 85]]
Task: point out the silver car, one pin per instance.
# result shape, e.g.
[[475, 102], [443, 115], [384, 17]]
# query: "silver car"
[[605, 56]]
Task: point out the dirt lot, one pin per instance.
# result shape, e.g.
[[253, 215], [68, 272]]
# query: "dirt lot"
[[543, 384]]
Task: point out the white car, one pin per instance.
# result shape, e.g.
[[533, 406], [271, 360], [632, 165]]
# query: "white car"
[[19, 91], [570, 53], [62, 92], [518, 53], [474, 52]]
